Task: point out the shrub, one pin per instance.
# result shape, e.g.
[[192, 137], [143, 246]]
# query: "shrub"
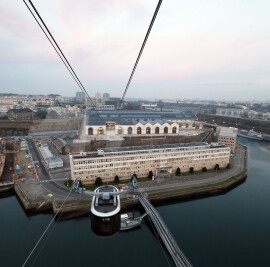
[[98, 182], [217, 167], [116, 179], [178, 171], [135, 175], [191, 170], [204, 169]]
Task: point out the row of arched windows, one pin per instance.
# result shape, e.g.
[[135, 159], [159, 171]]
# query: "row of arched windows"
[[130, 130]]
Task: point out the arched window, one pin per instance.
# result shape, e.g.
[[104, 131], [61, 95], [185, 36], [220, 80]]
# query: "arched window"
[[148, 130], [100, 130], [187, 126], [157, 130], [129, 130], [90, 131], [166, 130], [120, 130], [139, 130], [174, 130]]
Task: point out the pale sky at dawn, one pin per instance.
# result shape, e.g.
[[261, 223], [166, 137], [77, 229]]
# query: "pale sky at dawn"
[[212, 49]]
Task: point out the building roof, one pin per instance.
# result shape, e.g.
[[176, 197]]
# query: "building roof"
[[138, 148], [46, 152], [227, 134], [59, 142], [54, 160], [131, 117]]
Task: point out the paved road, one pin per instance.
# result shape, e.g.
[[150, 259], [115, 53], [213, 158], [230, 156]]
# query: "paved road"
[[43, 174]]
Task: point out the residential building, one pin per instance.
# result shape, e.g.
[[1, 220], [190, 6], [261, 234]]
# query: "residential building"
[[80, 97], [125, 161], [5, 107]]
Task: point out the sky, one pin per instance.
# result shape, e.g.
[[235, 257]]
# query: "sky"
[[212, 49]]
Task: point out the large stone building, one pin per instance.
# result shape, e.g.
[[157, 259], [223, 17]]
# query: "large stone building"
[[20, 114], [115, 124], [126, 161]]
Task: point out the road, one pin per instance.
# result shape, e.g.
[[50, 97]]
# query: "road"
[[44, 175]]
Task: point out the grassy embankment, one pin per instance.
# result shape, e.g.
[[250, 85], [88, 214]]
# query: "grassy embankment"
[[243, 173]]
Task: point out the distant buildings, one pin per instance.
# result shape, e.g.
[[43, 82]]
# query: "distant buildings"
[[20, 114], [5, 107], [106, 96], [65, 99], [242, 113], [124, 162], [80, 97]]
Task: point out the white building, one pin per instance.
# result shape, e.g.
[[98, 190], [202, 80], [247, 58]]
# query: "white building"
[[51, 161], [5, 107], [115, 124], [125, 161]]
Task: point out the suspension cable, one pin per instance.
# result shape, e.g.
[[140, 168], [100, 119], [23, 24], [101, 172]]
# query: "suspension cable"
[[47, 228], [59, 51], [142, 48]]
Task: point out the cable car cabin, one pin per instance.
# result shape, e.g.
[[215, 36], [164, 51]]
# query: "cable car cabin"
[[105, 211]]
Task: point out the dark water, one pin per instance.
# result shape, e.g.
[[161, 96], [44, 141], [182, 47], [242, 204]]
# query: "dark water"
[[227, 230]]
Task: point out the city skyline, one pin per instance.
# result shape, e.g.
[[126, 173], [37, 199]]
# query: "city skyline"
[[196, 50]]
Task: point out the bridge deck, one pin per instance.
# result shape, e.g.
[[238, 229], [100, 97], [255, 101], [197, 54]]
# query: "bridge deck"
[[177, 255]]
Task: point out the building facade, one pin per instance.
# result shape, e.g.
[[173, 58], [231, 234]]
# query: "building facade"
[[227, 136], [118, 123], [124, 162], [80, 97], [20, 114]]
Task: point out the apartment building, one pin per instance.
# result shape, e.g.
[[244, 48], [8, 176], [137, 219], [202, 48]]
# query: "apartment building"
[[125, 161], [227, 136]]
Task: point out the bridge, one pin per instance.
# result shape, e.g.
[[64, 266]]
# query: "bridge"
[[177, 255]]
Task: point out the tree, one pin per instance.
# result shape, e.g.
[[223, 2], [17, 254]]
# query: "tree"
[[191, 170], [53, 114], [116, 179], [150, 174], [217, 167], [41, 114], [178, 172], [135, 175], [204, 169], [98, 182]]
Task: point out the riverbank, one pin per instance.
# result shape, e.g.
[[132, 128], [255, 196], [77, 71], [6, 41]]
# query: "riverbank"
[[35, 199]]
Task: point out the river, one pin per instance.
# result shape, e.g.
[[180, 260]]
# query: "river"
[[226, 230]]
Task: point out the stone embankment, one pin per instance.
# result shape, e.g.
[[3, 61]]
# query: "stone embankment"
[[220, 183]]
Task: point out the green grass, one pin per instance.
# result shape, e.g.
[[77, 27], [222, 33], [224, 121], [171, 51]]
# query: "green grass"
[[201, 187]]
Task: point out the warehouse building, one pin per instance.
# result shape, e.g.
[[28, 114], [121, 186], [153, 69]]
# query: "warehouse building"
[[51, 161], [125, 161]]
